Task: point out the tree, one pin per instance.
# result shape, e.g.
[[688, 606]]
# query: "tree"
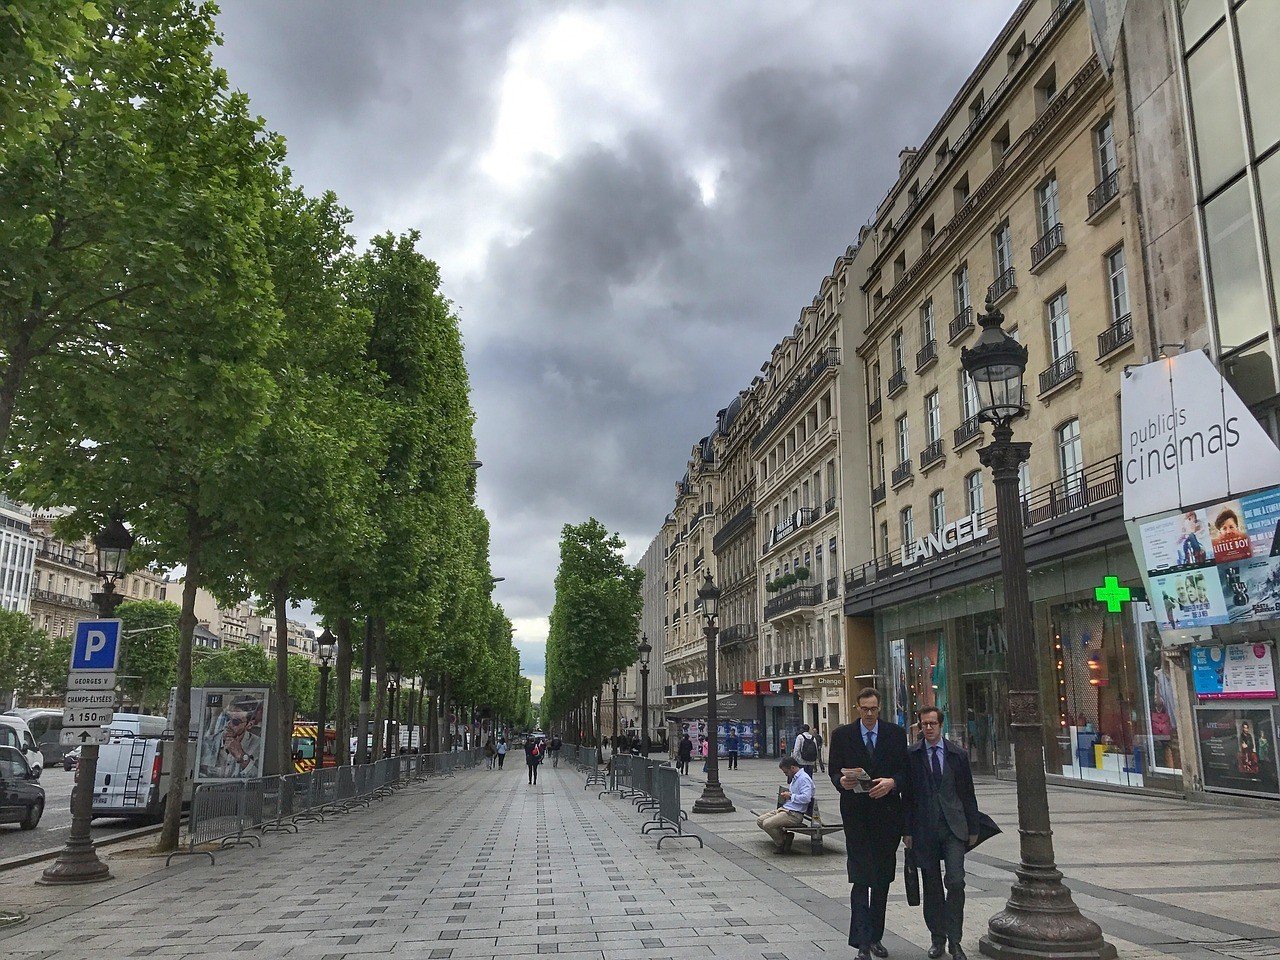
[[149, 651], [26, 662], [245, 666]]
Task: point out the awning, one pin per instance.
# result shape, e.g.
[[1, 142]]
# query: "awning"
[[729, 706]]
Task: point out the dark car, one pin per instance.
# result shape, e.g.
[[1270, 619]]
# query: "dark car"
[[21, 798]]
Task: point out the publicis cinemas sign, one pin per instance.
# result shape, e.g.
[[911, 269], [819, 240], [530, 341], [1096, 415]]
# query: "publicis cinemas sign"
[[1188, 438], [955, 534]]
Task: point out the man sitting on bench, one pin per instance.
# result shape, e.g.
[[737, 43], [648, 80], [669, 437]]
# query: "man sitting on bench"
[[798, 799]]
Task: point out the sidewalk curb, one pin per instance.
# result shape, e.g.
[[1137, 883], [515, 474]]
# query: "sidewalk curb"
[[39, 856]]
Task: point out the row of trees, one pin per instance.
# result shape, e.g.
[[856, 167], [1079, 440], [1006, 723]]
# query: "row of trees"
[[594, 626], [190, 342]]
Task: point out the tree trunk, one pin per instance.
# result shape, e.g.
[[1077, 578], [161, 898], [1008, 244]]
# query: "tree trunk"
[[446, 722], [341, 726], [380, 691], [366, 678], [284, 709], [182, 701]]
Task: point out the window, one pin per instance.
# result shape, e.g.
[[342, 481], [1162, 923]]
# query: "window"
[[1234, 269], [960, 288], [1018, 48], [1046, 89], [1117, 284], [879, 461], [898, 351], [1002, 244], [1047, 205], [968, 395], [1000, 143], [928, 332], [940, 155], [899, 266], [1024, 479], [904, 440], [927, 231], [906, 525], [937, 511], [932, 418], [1070, 455], [974, 501], [1259, 33], [884, 538], [1104, 146], [975, 107], [873, 381], [1059, 327], [1215, 108], [960, 192]]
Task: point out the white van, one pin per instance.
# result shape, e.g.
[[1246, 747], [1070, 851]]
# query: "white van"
[[134, 769], [14, 732]]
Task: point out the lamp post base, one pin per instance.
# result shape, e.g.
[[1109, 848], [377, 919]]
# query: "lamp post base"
[[1042, 922], [713, 800], [75, 866]]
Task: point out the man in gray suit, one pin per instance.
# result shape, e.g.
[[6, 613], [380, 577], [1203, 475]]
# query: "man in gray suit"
[[941, 824]]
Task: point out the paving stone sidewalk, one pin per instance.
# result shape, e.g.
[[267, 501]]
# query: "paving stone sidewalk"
[[484, 866]]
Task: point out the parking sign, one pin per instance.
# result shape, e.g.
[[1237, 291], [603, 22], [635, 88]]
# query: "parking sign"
[[96, 645]]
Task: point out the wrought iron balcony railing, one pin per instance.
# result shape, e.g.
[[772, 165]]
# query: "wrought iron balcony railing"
[[1062, 370]]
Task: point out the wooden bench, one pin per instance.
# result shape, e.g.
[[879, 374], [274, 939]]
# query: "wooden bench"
[[812, 827]]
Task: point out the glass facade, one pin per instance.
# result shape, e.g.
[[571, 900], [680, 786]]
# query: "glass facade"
[[1106, 701], [1232, 75]]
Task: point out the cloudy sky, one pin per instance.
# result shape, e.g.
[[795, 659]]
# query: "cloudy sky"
[[630, 203]]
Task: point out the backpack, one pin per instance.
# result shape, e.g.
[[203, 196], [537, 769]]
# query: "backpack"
[[808, 749]]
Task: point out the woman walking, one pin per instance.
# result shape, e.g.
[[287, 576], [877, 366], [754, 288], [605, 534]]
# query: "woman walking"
[[502, 752], [685, 754], [490, 752], [533, 758]]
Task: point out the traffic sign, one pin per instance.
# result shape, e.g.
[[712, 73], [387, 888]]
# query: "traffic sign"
[[78, 736], [87, 716], [91, 699], [90, 680], [96, 645]]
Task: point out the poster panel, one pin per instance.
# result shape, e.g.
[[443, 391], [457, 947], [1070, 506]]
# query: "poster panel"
[[1238, 671], [745, 733], [232, 733], [1191, 598], [1238, 749], [898, 665]]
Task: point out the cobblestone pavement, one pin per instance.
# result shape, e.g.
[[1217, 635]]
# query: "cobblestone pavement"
[[484, 866]]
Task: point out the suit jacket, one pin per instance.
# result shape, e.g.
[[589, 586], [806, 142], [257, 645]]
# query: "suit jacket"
[[872, 828], [920, 787]]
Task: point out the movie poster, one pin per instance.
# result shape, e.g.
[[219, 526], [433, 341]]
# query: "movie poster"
[[232, 733], [1238, 749], [1191, 598], [1237, 671], [745, 730]]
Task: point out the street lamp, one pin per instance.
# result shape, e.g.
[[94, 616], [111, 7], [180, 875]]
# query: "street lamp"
[[644, 650], [614, 674], [1040, 919], [713, 799], [393, 696], [326, 653], [78, 862]]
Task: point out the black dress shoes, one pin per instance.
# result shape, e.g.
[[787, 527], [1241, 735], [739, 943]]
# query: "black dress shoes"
[[864, 955], [957, 952], [878, 949], [937, 950]]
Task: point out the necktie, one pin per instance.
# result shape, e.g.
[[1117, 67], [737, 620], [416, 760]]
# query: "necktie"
[[871, 741], [937, 763]]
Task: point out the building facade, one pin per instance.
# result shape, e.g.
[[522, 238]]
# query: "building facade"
[[17, 556]]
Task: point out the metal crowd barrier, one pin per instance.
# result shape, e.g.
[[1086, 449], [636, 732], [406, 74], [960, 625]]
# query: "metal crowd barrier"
[[668, 814], [654, 787], [229, 812]]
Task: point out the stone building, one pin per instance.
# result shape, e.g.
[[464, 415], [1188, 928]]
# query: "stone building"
[[17, 556]]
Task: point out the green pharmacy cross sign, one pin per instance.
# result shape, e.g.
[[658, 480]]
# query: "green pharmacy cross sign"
[[1112, 594]]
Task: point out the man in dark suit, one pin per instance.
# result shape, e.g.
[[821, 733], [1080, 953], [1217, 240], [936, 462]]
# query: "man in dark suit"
[[868, 764], [942, 823]]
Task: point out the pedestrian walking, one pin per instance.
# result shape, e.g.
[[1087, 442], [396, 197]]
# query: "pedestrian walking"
[[797, 799], [502, 752], [941, 824], [868, 767], [490, 752], [805, 749], [684, 755], [817, 735], [554, 746], [732, 745], [533, 758]]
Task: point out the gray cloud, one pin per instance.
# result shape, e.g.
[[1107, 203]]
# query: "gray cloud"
[[630, 202]]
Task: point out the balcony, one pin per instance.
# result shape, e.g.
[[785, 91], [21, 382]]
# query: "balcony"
[[61, 599], [873, 410], [968, 431], [1115, 336], [819, 663], [1100, 197], [926, 355], [806, 665], [897, 382], [737, 634], [833, 588], [1002, 287], [829, 359], [901, 474], [1052, 243], [829, 505], [931, 455], [738, 523], [67, 560], [1063, 369], [877, 493], [801, 518], [960, 325], [833, 662], [796, 600]]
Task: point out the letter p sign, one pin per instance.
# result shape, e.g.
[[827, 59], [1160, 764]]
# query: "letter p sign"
[[96, 645]]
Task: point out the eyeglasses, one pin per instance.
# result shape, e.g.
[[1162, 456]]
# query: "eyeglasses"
[[874, 708], [930, 723]]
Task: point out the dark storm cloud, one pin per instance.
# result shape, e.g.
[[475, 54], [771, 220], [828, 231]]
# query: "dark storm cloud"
[[671, 186]]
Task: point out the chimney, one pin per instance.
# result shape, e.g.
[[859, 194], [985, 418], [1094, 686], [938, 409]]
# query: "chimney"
[[905, 156]]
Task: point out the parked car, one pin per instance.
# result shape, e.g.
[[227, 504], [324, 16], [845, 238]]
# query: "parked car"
[[21, 798], [15, 733], [71, 759]]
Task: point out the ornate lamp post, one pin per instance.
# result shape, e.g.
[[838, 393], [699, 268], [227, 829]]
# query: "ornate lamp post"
[[393, 702], [78, 862], [322, 696], [614, 674], [1040, 919], [644, 651], [713, 799]]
